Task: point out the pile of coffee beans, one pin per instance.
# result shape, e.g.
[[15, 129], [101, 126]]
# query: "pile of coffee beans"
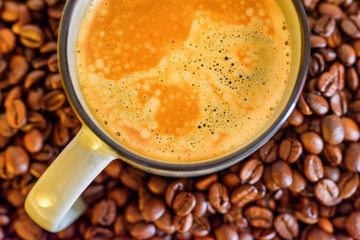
[[302, 184]]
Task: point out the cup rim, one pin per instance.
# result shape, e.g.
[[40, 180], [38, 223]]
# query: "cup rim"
[[174, 169]]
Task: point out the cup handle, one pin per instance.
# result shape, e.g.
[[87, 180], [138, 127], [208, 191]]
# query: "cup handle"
[[54, 202]]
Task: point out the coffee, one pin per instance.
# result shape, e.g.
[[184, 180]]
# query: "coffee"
[[183, 80]]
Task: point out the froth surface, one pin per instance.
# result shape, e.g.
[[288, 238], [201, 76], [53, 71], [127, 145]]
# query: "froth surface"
[[183, 80]]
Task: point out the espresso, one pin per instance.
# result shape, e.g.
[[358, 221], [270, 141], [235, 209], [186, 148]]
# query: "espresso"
[[183, 80]]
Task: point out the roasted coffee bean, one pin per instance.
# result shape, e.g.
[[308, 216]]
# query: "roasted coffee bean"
[[259, 217], [347, 54], [31, 36], [7, 41], [335, 39], [268, 181], [286, 226], [318, 233], [104, 213], [171, 190], [243, 195], [231, 180], [226, 232], [143, 230], [205, 182], [54, 100], [303, 106], [132, 213], [37, 169], [219, 197], [95, 232], [325, 26], [200, 205], [296, 118], [352, 157], [290, 149], [236, 219], [184, 203], [307, 211], [326, 191], [16, 114], [317, 103], [332, 172], [317, 64], [165, 223], [331, 10], [352, 225], [16, 160], [327, 84], [328, 54], [313, 168], [27, 229], [352, 79], [332, 129], [299, 182], [252, 171], [281, 174], [348, 184], [338, 103], [33, 141], [200, 227], [332, 154], [268, 152], [326, 225], [153, 209], [131, 178], [351, 130], [317, 41], [183, 223], [351, 26], [312, 142], [119, 195]]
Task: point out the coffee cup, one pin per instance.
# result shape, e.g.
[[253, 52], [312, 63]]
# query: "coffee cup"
[[55, 200]]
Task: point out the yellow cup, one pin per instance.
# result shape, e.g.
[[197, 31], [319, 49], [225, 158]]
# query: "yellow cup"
[[55, 202]]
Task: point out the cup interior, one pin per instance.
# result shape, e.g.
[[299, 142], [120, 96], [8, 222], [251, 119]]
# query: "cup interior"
[[70, 26]]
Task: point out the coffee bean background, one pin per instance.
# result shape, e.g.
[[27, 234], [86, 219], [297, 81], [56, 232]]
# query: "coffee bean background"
[[302, 184]]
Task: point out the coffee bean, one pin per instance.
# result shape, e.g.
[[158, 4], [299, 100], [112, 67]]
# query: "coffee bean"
[[131, 179], [332, 129], [183, 223], [328, 54], [27, 229], [31, 36], [252, 171], [281, 174], [259, 217], [219, 197], [332, 172], [54, 100], [326, 191], [119, 195], [352, 225], [326, 225], [351, 130], [226, 232], [52, 63], [351, 26], [352, 79], [318, 233], [332, 154], [268, 152], [165, 223], [304, 107], [17, 160], [33, 141], [200, 227], [290, 149], [243, 195], [296, 118], [317, 103], [231, 180], [299, 182], [157, 185], [37, 169], [328, 84], [268, 180], [16, 114], [200, 205], [331, 10], [171, 190], [347, 54], [307, 211], [325, 26], [338, 103], [312, 142], [132, 213], [104, 213], [95, 232], [317, 41], [153, 209], [313, 168], [352, 157], [236, 219], [143, 230], [317, 64], [335, 39], [205, 182], [286, 226], [7, 41], [184, 203], [348, 184]]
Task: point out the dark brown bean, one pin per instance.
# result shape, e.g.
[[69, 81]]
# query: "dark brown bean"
[[7, 40], [205, 182], [317, 41], [332, 154], [325, 26], [299, 182], [286, 226], [119, 195], [54, 100], [252, 171], [312, 142], [313, 168], [338, 103], [347, 54], [331, 10], [171, 191], [352, 157], [154, 208], [281, 174], [104, 213], [348, 184], [328, 54], [326, 191], [296, 118], [219, 197], [231, 180], [157, 185], [27, 229], [352, 225], [332, 129], [351, 26], [184, 203], [259, 217], [328, 84], [352, 79], [243, 194], [318, 233], [317, 64], [317, 103], [290, 150], [226, 232], [16, 114], [143, 230], [268, 152], [307, 211], [165, 223], [200, 206], [183, 223], [351, 130], [200, 227], [335, 39], [33, 141], [31, 36]]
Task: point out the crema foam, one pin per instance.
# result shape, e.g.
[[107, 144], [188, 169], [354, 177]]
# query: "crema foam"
[[183, 80]]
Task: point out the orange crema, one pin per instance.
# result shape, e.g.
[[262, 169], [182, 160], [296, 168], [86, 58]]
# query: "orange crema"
[[183, 80]]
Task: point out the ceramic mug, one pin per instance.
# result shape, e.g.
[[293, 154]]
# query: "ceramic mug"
[[55, 200]]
